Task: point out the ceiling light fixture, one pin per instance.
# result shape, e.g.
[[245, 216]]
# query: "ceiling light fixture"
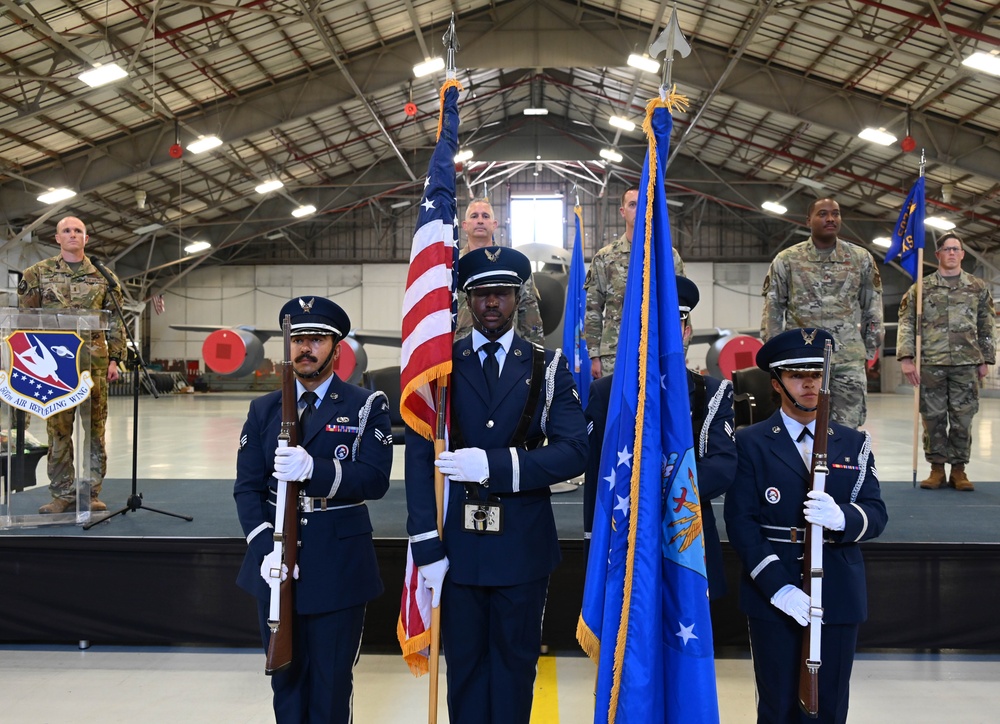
[[938, 222], [877, 135], [622, 123], [195, 246], [884, 241], [536, 111], [644, 62], [986, 62], [464, 155], [148, 229], [774, 207], [610, 154], [674, 202], [102, 75], [303, 211], [204, 143], [54, 196], [400, 204], [272, 184], [430, 65]]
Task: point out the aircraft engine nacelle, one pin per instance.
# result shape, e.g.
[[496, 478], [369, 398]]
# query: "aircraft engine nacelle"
[[353, 361], [234, 352], [237, 352], [732, 352]]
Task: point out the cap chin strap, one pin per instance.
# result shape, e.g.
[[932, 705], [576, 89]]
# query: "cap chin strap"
[[481, 328], [776, 374], [319, 370]]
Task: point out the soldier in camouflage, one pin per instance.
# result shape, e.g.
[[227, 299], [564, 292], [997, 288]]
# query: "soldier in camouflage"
[[71, 281], [832, 284], [957, 344], [479, 225], [605, 287]]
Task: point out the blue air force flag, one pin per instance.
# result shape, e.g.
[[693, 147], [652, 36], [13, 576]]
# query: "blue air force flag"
[[645, 616]]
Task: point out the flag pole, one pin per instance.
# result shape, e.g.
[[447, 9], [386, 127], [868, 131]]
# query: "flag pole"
[[434, 658], [918, 336], [450, 42]]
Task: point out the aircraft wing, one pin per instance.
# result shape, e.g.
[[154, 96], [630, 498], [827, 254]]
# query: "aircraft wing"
[[262, 334], [381, 337]]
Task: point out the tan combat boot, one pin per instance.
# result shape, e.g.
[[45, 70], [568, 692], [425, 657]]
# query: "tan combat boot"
[[96, 506], [958, 479], [936, 479], [58, 505]]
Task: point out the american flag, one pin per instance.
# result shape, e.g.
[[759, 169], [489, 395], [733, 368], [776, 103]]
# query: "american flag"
[[429, 300], [428, 335]]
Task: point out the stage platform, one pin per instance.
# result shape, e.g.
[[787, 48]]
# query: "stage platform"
[[146, 578]]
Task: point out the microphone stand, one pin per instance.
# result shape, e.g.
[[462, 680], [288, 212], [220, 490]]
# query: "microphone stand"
[[135, 499]]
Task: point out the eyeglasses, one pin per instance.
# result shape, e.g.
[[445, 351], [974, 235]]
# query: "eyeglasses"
[[950, 250]]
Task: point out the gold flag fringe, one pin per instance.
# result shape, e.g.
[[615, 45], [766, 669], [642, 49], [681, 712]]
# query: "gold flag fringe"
[[413, 648], [450, 83], [672, 101]]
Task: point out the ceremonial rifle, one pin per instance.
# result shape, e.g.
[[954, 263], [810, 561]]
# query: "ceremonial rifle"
[[812, 560], [286, 532]]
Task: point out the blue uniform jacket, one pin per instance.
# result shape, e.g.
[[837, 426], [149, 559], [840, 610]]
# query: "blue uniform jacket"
[[766, 503], [716, 461], [337, 563], [528, 548]]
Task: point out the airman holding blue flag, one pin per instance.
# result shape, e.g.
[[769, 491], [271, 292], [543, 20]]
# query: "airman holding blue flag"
[[712, 428]]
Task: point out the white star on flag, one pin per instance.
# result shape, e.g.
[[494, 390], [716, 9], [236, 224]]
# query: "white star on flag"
[[686, 633], [611, 480], [428, 204], [622, 505], [625, 457]]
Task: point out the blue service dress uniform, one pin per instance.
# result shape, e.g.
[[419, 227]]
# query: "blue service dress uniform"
[[494, 593], [766, 526], [350, 439], [715, 451]]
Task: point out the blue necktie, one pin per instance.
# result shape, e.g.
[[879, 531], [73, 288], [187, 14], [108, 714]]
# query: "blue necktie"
[[309, 397], [491, 367]]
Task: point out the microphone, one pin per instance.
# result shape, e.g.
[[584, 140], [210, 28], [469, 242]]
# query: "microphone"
[[99, 265]]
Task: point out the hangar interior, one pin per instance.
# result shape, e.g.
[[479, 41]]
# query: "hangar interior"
[[321, 95]]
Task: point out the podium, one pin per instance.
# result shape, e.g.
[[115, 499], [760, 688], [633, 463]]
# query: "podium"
[[45, 368]]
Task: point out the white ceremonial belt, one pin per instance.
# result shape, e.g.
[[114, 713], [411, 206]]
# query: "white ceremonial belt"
[[322, 505]]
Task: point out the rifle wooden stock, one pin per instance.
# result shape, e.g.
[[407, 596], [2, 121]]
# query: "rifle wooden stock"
[[812, 558], [286, 531]]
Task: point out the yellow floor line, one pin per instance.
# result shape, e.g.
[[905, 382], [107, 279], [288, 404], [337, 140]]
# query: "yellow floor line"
[[545, 706]]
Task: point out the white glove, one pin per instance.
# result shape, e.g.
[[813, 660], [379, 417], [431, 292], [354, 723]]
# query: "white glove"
[[292, 464], [793, 601], [271, 564], [822, 509], [469, 463], [433, 577]]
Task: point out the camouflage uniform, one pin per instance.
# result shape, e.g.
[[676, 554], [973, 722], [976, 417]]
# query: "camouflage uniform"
[[957, 336], [839, 291], [528, 318], [52, 284], [605, 286]]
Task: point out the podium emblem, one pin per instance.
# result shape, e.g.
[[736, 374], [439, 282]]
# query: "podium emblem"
[[45, 376]]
